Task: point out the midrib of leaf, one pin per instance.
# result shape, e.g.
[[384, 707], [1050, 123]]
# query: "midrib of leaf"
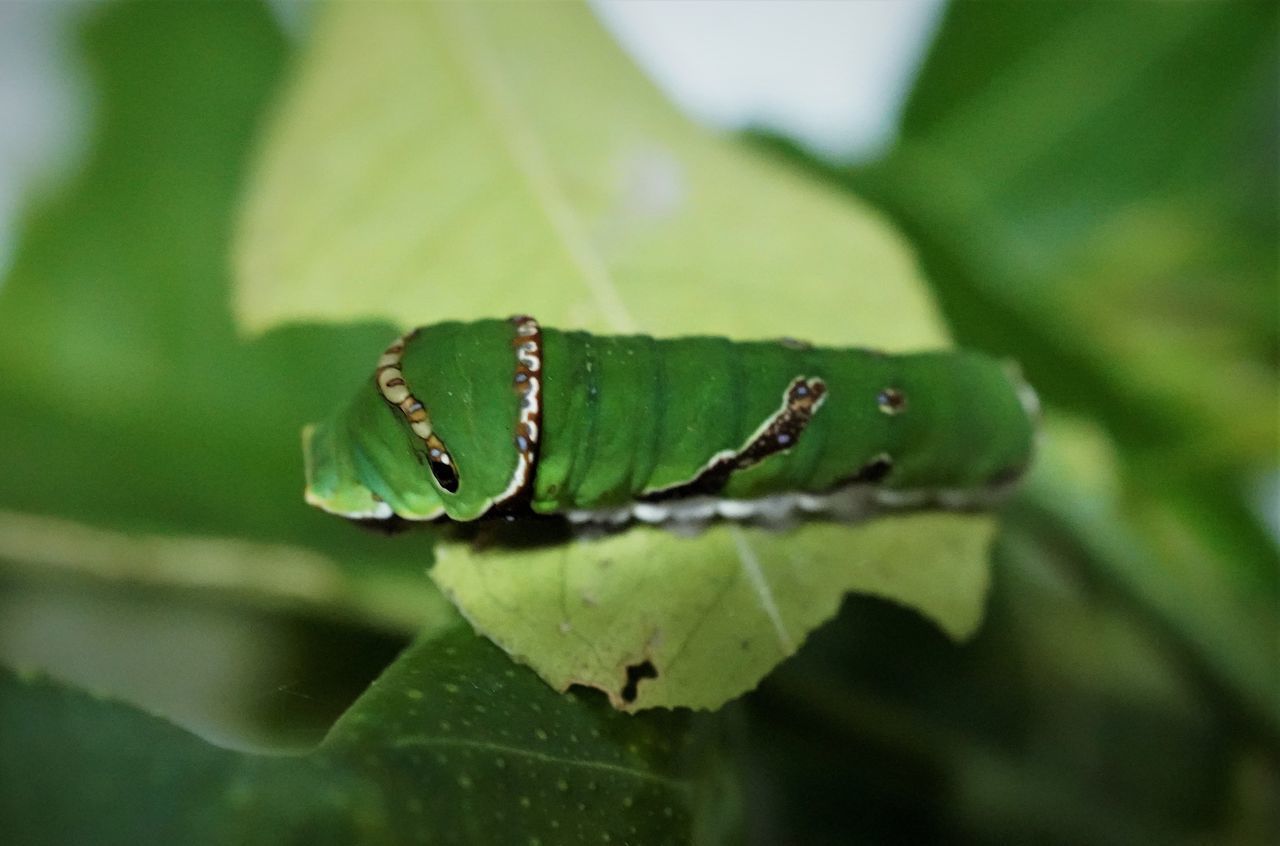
[[424, 742], [481, 66], [751, 568], [268, 572]]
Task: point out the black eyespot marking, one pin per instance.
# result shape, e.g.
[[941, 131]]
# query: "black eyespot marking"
[[442, 468]]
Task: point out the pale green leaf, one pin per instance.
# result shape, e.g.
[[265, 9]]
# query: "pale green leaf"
[[713, 614], [456, 160]]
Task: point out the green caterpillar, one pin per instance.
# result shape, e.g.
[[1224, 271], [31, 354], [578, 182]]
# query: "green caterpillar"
[[463, 420]]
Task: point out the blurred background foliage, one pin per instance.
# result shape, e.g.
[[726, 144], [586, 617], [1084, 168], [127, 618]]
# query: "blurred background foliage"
[[1092, 190]]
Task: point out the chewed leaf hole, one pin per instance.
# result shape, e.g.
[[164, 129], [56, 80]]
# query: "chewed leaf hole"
[[635, 674]]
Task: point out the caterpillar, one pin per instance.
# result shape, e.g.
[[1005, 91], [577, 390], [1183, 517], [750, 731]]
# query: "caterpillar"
[[463, 420]]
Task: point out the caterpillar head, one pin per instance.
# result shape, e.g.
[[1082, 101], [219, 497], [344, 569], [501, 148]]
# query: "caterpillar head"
[[449, 426]]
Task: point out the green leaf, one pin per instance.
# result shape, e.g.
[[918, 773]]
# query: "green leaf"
[[450, 745], [498, 158], [275, 575], [142, 440], [1129, 221], [1075, 491], [654, 619], [1116, 233]]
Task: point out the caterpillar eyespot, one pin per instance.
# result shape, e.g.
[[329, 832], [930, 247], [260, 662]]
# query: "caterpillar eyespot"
[[493, 417], [442, 468]]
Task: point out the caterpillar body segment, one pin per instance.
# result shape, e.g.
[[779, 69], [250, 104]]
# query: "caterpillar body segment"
[[463, 420]]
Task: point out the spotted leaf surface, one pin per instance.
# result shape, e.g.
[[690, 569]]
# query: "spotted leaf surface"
[[451, 745]]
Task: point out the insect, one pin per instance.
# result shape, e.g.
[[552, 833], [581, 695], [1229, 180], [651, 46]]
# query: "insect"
[[463, 420]]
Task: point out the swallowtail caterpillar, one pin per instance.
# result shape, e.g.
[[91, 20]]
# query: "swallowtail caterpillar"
[[505, 417]]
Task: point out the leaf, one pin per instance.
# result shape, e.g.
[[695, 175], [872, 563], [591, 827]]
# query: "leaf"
[[1115, 231], [505, 158], [1075, 492], [450, 745], [654, 619], [283, 576], [1128, 222], [142, 441]]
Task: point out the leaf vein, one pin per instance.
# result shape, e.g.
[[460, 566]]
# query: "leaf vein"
[[488, 746], [532, 162], [751, 567]]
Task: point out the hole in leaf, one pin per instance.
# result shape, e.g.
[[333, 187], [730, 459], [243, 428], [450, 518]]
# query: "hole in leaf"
[[635, 674]]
